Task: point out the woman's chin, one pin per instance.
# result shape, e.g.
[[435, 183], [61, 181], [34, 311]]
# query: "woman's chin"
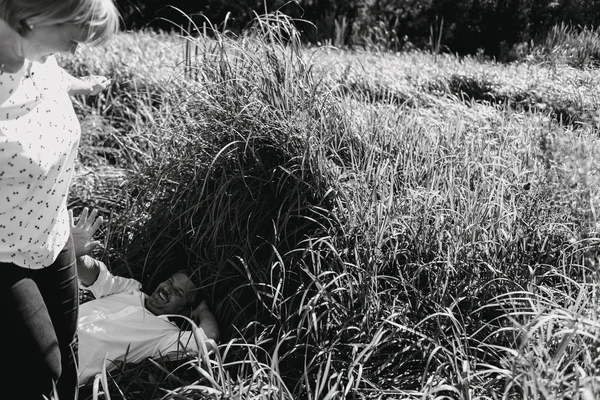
[[40, 58]]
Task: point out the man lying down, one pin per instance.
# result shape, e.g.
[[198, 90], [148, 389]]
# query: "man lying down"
[[122, 322]]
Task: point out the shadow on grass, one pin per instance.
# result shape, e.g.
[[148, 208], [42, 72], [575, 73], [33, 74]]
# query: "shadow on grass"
[[469, 89]]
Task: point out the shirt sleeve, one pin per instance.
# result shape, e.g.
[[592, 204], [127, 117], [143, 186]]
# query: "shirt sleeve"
[[107, 283]]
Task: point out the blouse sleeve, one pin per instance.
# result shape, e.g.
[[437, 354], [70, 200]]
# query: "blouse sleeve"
[[58, 73]]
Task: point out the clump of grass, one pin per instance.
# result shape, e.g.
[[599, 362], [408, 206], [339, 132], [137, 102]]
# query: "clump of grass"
[[118, 124], [240, 187], [556, 332], [576, 46]]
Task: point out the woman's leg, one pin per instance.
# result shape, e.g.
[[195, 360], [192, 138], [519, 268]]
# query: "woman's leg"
[[30, 344], [59, 288], [41, 308]]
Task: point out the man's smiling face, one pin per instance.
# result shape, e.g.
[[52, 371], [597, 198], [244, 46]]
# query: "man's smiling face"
[[172, 295]]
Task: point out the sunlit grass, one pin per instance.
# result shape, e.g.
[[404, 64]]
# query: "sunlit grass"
[[364, 225]]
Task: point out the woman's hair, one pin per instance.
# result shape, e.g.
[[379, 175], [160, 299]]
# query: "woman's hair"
[[99, 17]]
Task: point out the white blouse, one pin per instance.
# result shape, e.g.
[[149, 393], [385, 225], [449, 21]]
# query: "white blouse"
[[39, 137]]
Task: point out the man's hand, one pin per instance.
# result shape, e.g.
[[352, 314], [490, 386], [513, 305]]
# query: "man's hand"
[[83, 232], [206, 320], [197, 312]]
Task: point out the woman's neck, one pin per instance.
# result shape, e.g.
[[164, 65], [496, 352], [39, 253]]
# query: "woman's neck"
[[11, 59]]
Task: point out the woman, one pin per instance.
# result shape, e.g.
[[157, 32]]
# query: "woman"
[[39, 137]]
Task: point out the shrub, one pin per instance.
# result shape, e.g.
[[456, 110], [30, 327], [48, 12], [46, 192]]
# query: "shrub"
[[470, 26]]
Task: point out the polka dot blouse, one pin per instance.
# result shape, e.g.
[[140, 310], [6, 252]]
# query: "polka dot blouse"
[[39, 136]]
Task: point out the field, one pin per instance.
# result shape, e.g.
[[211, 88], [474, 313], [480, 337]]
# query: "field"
[[365, 225]]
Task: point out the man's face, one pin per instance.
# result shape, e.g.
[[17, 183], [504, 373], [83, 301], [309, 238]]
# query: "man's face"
[[172, 295], [45, 40]]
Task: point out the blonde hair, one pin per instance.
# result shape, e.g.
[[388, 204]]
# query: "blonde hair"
[[99, 17]]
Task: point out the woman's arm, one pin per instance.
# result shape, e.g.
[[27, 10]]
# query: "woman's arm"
[[87, 85]]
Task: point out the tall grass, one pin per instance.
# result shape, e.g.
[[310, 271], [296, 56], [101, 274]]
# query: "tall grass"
[[352, 245], [576, 46]]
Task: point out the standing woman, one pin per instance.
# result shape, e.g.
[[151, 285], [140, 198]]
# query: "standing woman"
[[39, 138]]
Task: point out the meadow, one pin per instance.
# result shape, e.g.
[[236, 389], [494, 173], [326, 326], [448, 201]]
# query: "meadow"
[[365, 224]]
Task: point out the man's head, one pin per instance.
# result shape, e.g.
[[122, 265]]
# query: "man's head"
[[173, 296]]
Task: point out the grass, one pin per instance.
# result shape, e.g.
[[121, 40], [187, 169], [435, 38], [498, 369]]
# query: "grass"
[[576, 46], [365, 225]]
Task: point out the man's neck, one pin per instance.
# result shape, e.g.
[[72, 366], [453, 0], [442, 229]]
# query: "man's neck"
[[11, 58], [145, 306]]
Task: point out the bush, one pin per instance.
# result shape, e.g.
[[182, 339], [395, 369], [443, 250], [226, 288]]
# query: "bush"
[[462, 26], [173, 14]]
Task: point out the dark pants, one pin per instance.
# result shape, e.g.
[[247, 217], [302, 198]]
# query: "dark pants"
[[39, 326]]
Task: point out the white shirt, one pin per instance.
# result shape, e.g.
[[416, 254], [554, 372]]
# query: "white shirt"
[[39, 137], [117, 321]]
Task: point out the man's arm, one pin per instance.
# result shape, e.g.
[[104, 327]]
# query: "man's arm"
[[83, 233], [93, 274], [178, 341], [206, 320], [87, 270]]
